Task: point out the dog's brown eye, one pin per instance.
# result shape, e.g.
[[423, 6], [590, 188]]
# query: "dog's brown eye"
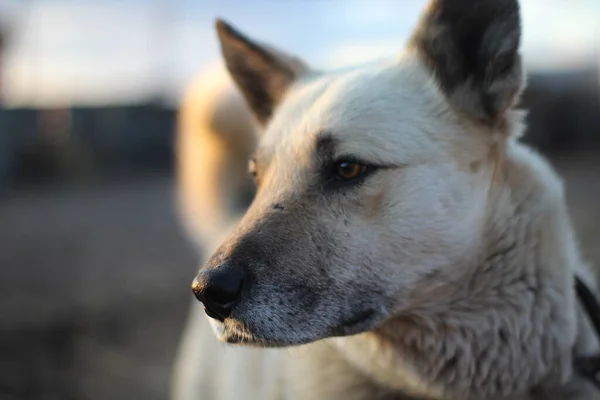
[[348, 170]]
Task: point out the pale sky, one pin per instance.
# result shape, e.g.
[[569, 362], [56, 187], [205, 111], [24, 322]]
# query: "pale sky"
[[90, 52]]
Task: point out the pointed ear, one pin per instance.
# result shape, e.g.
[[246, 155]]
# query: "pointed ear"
[[262, 73], [472, 49]]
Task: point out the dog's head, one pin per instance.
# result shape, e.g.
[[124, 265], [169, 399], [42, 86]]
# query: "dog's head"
[[372, 181]]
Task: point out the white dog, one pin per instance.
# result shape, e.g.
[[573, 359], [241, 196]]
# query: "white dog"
[[400, 233]]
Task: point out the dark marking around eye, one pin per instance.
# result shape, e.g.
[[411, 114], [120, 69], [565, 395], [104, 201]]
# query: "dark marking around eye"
[[333, 180], [328, 164], [278, 207], [325, 149], [325, 158]]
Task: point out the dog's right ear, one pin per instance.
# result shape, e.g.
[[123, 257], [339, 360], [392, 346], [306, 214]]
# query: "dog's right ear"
[[262, 73]]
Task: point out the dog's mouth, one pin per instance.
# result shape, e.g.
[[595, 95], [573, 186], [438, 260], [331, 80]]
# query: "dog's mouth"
[[213, 314], [233, 331]]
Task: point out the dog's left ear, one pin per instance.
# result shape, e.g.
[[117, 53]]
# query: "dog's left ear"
[[472, 49], [262, 73]]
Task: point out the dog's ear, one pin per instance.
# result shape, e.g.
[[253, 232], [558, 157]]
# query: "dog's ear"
[[472, 49], [262, 73]]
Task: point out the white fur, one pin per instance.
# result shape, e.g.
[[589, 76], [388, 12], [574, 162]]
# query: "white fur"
[[473, 240]]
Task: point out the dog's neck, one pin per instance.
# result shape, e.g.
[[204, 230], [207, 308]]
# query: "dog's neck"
[[509, 322]]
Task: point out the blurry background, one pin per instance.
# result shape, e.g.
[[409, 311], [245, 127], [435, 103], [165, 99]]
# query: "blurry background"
[[94, 271]]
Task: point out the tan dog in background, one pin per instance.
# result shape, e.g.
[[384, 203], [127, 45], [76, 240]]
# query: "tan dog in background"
[[400, 233]]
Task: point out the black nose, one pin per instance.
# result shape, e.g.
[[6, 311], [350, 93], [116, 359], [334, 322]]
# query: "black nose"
[[219, 290]]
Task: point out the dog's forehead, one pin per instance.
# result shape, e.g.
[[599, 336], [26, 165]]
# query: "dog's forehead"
[[361, 108]]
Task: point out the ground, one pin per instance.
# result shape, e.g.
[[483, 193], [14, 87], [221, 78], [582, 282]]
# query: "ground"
[[95, 287], [95, 283]]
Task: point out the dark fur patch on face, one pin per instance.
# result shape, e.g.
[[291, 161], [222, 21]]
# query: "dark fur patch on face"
[[325, 148], [471, 46], [290, 261], [262, 75]]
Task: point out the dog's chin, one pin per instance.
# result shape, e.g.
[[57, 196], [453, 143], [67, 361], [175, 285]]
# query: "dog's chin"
[[237, 333]]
